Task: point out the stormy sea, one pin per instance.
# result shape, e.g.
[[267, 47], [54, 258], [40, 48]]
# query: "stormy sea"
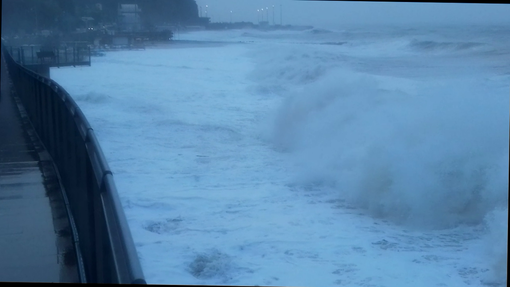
[[349, 156]]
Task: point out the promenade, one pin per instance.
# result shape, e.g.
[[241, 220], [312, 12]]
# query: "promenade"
[[35, 239]]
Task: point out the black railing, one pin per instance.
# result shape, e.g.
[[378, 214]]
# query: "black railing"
[[72, 54], [105, 247]]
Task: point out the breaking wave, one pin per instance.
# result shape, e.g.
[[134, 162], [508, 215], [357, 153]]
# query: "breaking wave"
[[437, 158], [433, 46], [319, 31]]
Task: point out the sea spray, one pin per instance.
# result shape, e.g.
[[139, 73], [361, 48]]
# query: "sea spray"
[[496, 243], [428, 158]]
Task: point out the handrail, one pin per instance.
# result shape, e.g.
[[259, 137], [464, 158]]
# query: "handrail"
[[57, 56], [104, 242]]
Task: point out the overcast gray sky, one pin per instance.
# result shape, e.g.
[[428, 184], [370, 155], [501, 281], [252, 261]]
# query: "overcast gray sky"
[[327, 13]]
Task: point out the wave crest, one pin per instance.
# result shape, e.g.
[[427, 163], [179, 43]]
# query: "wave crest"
[[434, 46], [435, 159]]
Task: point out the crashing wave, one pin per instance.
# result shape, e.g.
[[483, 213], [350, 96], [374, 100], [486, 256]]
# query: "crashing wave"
[[430, 46], [319, 31]]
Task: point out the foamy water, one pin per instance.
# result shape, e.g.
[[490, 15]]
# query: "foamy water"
[[352, 157]]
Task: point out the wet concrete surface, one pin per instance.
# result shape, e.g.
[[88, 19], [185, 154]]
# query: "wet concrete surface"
[[36, 243]]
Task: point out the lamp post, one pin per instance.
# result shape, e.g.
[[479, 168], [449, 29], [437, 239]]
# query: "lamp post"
[[273, 15], [267, 14], [36, 19], [258, 15], [206, 10], [230, 16]]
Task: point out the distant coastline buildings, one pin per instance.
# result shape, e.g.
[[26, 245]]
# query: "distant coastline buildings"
[[125, 22], [129, 19]]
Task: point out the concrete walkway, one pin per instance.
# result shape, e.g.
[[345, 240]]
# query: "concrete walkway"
[[35, 239]]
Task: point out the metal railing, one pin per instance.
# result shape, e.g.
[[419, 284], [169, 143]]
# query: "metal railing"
[[68, 55], [105, 249]]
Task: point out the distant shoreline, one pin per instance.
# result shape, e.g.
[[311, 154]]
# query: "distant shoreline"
[[188, 44]]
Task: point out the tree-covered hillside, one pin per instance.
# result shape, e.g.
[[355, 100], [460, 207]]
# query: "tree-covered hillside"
[[29, 16]]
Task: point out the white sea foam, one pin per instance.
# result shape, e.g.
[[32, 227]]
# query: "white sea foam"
[[436, 158], [284, 161]]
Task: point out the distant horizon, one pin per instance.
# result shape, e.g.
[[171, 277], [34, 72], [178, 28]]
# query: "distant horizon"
[[409, 25], [323, 14], [344, 26]]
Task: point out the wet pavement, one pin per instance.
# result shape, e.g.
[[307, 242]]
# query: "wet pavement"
[[36, 243]]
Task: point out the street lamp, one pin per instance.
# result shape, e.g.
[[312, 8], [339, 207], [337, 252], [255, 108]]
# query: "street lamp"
[[36, 19], [281, 21], [230, 16], [206, 10], [273, 15]]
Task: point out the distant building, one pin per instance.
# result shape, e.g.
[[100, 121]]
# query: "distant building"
[[129, 17], [88, 22]]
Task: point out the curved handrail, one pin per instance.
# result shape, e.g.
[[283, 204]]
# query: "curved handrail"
[[105, 241]]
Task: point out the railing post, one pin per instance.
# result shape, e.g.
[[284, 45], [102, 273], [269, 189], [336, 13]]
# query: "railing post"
[[107, 249], [100, 237]]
